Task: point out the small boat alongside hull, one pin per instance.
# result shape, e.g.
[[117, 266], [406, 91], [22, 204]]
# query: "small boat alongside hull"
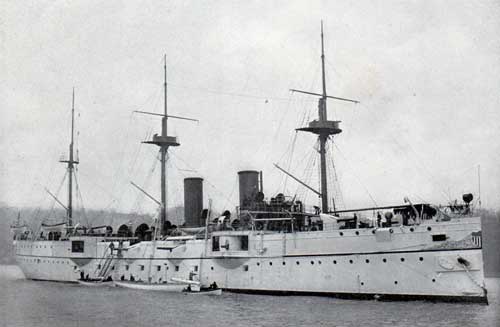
[[217, 291], [165, 287], [95, 283]]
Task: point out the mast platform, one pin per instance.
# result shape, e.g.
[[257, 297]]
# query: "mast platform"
[[322, 127], [163, 141]]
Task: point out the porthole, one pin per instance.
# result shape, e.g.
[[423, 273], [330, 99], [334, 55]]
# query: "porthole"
[[373, 231], [319, 262], [270, 263], [350, 261], [211, 268], [283, 263], [334, 262], [384, 260], [433, 280], [367, 261], [357, 233], [421, 258], [341, 234], [429, 228], [402, 259], [362, 283], [312, 262], [396, 282], [298, 263], [412, 229], [258, 263]]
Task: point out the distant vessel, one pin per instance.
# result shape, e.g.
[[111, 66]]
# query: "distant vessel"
[[277, 246]]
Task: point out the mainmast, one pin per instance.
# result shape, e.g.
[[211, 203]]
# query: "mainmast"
[[323, 137], [164, 142], [323, 127], [71, 162], [163, 150]]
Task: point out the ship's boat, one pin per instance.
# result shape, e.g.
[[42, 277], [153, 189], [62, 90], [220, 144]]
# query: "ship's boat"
[[96, 283], [163, 287], [204, 291]]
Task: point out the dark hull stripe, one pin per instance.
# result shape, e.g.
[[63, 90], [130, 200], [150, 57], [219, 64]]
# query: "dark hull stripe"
[[368, 296], [380, 252], [54, 280], [262, 257]]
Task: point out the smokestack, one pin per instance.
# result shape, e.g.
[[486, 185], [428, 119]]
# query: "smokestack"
[[249, 187], [193, 201]]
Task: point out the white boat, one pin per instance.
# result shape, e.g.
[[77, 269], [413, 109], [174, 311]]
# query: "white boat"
[[205, 291], [95, 283], [164, 287]]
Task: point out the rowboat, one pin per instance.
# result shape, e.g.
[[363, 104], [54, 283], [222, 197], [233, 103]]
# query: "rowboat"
[[164, 287]]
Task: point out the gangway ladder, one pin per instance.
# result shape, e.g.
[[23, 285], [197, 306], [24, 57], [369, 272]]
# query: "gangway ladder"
[[103, 272], [104, 267]]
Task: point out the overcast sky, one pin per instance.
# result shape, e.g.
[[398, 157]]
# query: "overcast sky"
[[427, 74]]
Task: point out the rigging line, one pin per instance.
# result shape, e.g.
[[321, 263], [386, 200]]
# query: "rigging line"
[[292, 144], [422, 167], [289, 163], [310, 164], [206, 179], [305, 111], [242, 95], [335, 176], [57, 193], [100, 187], [356, 177], [146, 182], [79, 195], [120, 169], [136, 206], [285, 112], [310, 109]]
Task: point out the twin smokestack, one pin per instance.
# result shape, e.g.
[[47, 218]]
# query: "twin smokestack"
[[250, 185]]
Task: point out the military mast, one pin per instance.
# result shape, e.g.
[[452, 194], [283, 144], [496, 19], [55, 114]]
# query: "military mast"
[[323, 127], [71, 162], [164, 141]]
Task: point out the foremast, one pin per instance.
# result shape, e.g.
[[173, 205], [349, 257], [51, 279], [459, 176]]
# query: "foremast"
[[323, 127], [71, 162]]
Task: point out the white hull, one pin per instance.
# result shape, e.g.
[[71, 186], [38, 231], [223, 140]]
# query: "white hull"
[[360, 263], [55, 260]]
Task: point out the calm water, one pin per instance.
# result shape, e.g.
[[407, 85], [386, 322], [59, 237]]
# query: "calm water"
[[29, 303]]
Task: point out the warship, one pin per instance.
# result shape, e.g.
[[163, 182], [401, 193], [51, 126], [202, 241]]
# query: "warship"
[[275, 245]]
